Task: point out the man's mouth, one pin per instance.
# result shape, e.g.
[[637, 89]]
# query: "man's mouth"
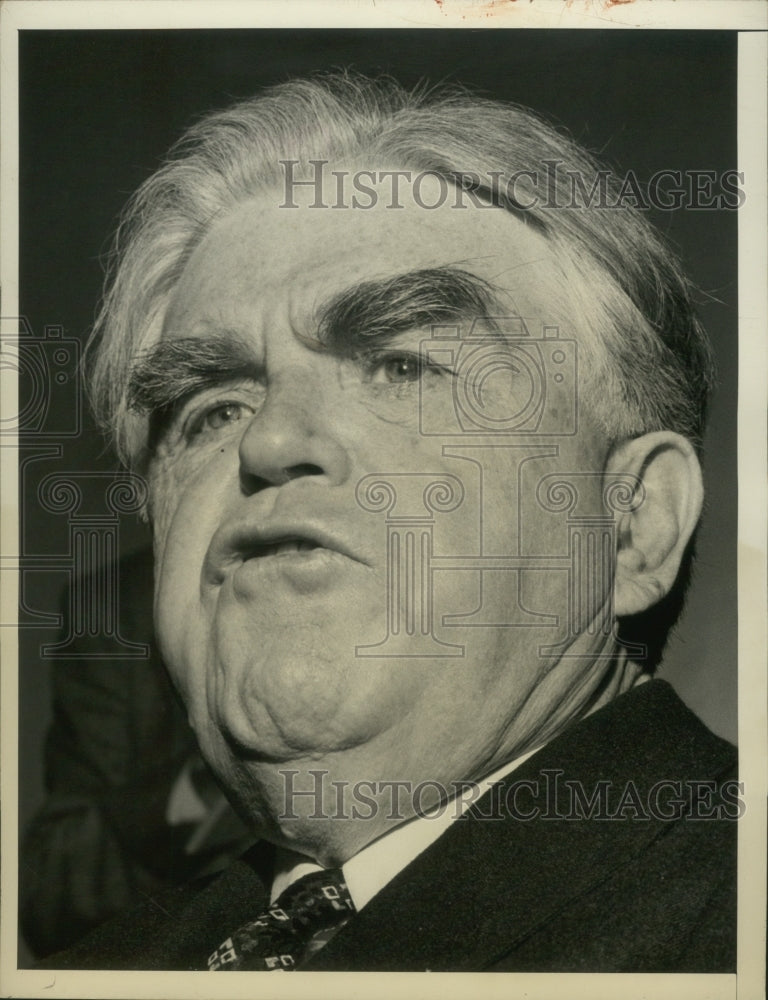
[[308, 545], [283, 547]]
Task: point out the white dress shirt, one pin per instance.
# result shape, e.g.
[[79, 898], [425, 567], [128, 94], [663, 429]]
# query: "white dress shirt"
[[378, 862]]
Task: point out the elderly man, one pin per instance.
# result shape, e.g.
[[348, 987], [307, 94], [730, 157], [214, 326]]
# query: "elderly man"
[[420, 423]]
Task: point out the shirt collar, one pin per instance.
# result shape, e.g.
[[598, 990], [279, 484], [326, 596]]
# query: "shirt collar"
[[378, 862]]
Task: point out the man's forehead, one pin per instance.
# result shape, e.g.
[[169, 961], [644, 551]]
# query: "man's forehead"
[[263, 254]]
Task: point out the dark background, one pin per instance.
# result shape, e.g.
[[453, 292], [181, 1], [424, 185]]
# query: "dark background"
[[98, 109]]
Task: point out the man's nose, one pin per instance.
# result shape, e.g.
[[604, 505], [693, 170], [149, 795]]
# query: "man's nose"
[[294, 434]]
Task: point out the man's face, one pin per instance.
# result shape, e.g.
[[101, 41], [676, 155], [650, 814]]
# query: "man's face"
[[273, 570]]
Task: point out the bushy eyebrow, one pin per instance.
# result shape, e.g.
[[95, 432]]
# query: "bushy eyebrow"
[[370, 312], [174, 369], [377, 310]]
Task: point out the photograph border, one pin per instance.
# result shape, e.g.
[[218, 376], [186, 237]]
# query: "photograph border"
[[750, 19]]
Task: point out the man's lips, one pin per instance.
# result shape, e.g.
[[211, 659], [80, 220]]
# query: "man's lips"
[[232, 546], [283, 547]]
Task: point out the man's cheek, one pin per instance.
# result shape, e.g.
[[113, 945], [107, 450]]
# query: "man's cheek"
[[172, 483], [164, 493]]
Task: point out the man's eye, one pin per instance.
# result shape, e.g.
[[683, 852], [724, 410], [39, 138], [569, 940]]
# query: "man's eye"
[[219, 416], [395, 368]]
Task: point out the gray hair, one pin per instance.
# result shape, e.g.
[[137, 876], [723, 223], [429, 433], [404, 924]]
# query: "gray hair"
[[629, 297]]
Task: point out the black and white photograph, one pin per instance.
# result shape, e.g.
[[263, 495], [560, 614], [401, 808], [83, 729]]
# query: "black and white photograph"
[[383, 446]]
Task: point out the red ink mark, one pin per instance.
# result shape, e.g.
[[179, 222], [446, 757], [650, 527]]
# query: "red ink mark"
[[489, 9]]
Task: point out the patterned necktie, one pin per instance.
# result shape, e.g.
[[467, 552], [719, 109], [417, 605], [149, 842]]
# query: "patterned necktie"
[[296, 925]]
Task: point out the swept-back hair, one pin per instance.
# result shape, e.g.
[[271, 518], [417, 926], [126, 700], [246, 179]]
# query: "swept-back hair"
[[649, 365]]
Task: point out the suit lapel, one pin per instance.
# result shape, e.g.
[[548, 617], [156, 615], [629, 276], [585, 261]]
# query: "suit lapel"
[[227, 902], [494, 876]]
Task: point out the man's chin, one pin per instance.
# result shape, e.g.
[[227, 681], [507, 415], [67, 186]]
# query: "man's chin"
[[270, 736], [322, 626]]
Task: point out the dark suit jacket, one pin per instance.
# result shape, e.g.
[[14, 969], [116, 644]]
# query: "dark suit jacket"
[[626, 890]]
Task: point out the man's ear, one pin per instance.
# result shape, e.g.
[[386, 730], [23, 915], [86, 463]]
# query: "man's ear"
[[652, 537]]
